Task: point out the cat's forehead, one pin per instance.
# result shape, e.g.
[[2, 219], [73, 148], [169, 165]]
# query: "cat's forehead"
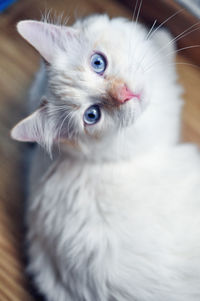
[[100, 31]]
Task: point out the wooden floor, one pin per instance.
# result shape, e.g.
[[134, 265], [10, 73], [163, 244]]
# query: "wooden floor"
[[18, 62]]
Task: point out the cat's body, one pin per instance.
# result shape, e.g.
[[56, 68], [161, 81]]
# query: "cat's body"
[[118, 231], [116, 218]]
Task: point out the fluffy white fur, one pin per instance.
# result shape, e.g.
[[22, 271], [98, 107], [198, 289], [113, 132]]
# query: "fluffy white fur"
[[115, 216]]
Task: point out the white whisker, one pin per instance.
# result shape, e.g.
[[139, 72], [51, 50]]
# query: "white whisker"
[[177, 38], [151, 29], [179, 50], [138, 13], [165, 21], [60, 128], [152, 32], [135, 8]]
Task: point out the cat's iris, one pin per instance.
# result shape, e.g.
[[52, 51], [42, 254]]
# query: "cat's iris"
[[92, 115], [98, 63]]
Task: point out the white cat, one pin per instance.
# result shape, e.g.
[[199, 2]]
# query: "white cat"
[[114, 215]]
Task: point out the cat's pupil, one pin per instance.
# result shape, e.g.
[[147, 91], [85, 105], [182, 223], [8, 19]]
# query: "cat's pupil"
[[91, 115]]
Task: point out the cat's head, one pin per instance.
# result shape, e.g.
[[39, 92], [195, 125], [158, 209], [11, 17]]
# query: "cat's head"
[[97, 81]]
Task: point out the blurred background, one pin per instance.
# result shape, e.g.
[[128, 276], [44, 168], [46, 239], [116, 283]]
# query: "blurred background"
[[18, 63]]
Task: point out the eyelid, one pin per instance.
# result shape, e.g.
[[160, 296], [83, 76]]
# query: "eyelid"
[[101, 53]]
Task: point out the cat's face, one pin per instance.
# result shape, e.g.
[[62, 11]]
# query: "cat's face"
[[97, 82]]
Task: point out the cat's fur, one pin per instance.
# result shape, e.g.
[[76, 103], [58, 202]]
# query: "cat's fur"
[[115, 215]]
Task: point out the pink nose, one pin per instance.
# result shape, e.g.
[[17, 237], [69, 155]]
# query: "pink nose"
[[124, 94], [119, 91]]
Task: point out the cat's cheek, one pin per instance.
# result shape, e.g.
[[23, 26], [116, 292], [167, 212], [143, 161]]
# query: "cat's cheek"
[[72, 144], [93, 131]]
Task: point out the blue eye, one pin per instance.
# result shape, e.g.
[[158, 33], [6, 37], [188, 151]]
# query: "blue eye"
[[98, 63], [92, 115]]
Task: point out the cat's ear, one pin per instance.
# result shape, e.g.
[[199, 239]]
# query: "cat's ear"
[[45, 37], [31, 128]]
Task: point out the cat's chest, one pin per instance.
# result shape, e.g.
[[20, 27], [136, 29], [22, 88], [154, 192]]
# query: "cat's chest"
[[76, 195], [104, 193], [76, 210], [98, 200], [88, 212]]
